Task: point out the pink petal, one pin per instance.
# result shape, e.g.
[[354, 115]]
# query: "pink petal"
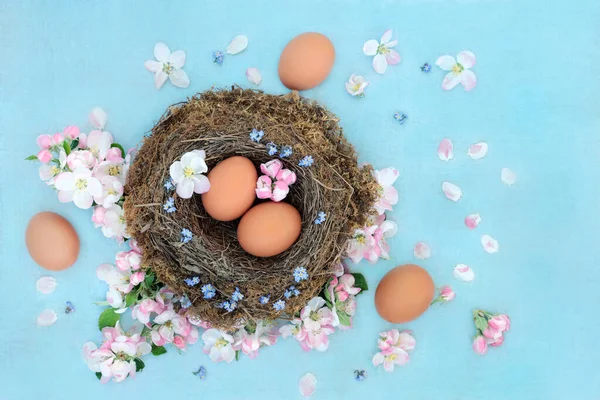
[[480, 345], [422, 251], [451, 191], [466, 59], [508, 177], [46, 284], [392, 57], [472, 221], [468, 80], [98, 118], [477, 150], [451, 80], [464, 273], [47, 318], [307, 385], [489, 244], [446, 150]]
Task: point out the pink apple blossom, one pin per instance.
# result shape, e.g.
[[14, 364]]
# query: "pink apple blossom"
[[44, 156], [264, 335], [81, 158], [394, 347], [126, 260], [271, 168], [44, 141], [114, 155], [137, 278], [71, 132], [459, 70], [78, 186], [499, 323], [387, 194], [382, 51], [112, 191], [363, 245], [98, 142], [268, 189], [218, 345], [480, 345], [167, 324], [447, 294], [317, 320], [286, 176]]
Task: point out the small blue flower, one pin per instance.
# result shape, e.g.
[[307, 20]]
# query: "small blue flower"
[[256, 136], [360, 375], [264, 299], [69, 307], [185, 301], [279, 305], [426, 68], [208, 291], [169, 185], [295, 291], [401, 118], [285, 151], [228, 306], [300, 274], [186, 235], [272, 148], [291, 291], [201, 373], [169, 205], [321, 217], [218, 57], [237, 296], [287, 294], [192, 281], [307, 161]]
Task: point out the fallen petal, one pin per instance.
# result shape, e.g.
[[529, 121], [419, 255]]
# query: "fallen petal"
[[254, 76], [508, 177], [46, 284], [46, 318], [472, 221], [422, 251], [489, 244], [477, 150], [237, 45], [451, 191], [464, 273], [98, 118], [307, 385], [446, 150]]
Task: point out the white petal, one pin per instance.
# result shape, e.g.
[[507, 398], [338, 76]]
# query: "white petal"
[[47, 318], [446, 150], [254, 76], [389, 228], [464, 273], [451, 80], [237, 45], [489, 244], [379, 64], [477, 150], [185, 189], [46, 284], [422, 251], [201, 184], [88, 347], [387, 176], [472, 221], [307, 385], [387, 36], [65, 181], [152, 66], [445, 62], [370, 47], [161, 52], [507, 176], [160, 78], [98, 117], [176, 171], [451, 191], [177, 58], [83, 200], [179, 78], [466, 59]]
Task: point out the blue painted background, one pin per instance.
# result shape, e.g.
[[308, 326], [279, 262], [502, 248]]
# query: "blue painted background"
[[536, 104]]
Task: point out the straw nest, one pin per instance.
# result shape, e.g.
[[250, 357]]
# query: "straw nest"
[[219, 122]]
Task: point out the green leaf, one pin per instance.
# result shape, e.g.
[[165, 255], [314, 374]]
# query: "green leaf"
[[98, 375], [139, 365], [67, 147], [74, 144], [326, 293], [360, 282], [108, 318], [149, 280], [117, 145], [158, 350], [480, 323], [131, 298], [31, 158], [344, 318], [237, 355]]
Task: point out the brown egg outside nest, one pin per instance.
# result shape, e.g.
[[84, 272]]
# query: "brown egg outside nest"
[[52, 241]]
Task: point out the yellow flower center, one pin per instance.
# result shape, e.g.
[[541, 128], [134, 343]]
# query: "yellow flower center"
[[314, 316], [392, 357], [360, 239], [219, 344], [457, 68], [187, 172], [356, 87], [168, 68], [382, 49], [81, 184], [54, 170], [112, 191], [114, 170]]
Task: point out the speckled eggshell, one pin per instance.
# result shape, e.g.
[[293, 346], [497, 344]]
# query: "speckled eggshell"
[[232, 189], [269, 229], [404, 293], [306, 61], [52, 241]]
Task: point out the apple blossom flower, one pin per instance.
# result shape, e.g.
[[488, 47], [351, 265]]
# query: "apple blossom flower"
[[112, 222], [363, 245], [271, 168], [218, 345], [264, 335], [480, 345], [356, 85], [394, 347], [44, 156], [112, 191], [168, 65], [44, 141], [115, 169], [268, 189], [384, 53], [286, 176], [446, 295], [387, 194], [78, 186], [81, 159], [99, 142], [317, 320], [167, 324], [187, 174], [143, 310], [385, 230], [296, 329], [459, 70], [49, 172]]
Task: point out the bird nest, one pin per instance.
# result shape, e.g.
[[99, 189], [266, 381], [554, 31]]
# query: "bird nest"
[[219, 122]]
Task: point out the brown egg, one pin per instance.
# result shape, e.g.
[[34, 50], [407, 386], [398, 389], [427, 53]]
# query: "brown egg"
[[306, 61], [404, 293], [232, 184], [269, 229], [51, 241]]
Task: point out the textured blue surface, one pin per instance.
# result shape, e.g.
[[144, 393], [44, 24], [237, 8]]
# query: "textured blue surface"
[[536, 105]]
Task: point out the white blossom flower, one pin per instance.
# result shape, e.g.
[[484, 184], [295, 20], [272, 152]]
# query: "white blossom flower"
[[78, 186], [168, 65], [356, 85], [383, 52], [187, 174]]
